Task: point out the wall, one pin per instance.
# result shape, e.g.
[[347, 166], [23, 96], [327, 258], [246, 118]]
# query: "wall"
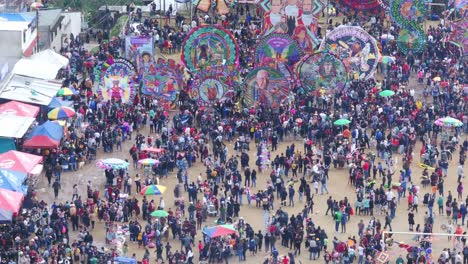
[[11, 44], [72, 23]]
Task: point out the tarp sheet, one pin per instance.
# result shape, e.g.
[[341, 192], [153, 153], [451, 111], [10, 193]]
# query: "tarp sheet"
[[14, 126], [19, 161], [19, 109], [58, 103], [29, 90], [12, 180], [7, 144], [43, 65]]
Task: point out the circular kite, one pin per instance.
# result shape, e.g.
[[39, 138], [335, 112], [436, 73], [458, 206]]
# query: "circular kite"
[[163, 79], [117, 81], [356, 48], [214, 84], [355, 7], [279, 48], [459, 35], [266, 86], [321, 70], [209, 45], [407, 13]]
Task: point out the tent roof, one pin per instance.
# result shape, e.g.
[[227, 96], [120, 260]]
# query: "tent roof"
[[49, 129], [58, 103], [19, 109], [10, 201], [5, 216], [41, 142], [12, 180], [19, 161], [14, 126], [29, 90], [50, 56], [6, 144]]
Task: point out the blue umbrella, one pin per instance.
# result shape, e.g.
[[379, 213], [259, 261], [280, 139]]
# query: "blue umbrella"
[[123, 260], [58, 103]]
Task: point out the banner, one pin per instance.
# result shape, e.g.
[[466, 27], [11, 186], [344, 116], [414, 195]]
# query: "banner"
[[140, 51]]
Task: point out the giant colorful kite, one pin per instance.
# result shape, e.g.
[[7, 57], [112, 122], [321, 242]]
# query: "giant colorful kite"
[[163, 79], [459, 35], [266, 86], [294, 17], [356, 48], [222, 6], [279, 48], [117, 81], [209, 45], [407, 13], [214, 84], [321, 70]]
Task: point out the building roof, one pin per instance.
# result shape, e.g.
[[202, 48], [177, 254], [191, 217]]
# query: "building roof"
[[16, 21], [48, 18], [29, 90]]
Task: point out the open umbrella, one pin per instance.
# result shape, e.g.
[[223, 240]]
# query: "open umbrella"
[[386, 93], [154, 150], [62, 112], [342, 122], [153, 190], [66, 91], [112, 163], [448, 122], [437, 79], [217, 231], [36, 5], [159, 213], [148, 162], [388, 59]]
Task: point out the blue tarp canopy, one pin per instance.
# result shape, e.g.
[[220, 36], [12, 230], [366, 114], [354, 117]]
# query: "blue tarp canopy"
[[7, 144], [5, 217], [122, 260], [13, 180], [58, 103], [50, 129]]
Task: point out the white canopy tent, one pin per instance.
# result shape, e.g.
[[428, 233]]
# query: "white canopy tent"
[[42, 65], [14, 126]]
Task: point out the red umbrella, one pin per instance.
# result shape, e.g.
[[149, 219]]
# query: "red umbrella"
[[19, 161], [10, 201]]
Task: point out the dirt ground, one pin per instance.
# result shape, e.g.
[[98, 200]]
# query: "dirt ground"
[[337, 185]]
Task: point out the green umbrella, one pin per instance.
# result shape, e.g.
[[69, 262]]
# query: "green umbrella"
[[341, 122], [386, 93], [159, 213]]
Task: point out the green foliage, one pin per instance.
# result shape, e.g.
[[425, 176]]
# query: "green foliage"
[[90, 8], [115, 31]]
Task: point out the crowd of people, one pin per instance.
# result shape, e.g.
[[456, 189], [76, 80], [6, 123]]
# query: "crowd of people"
[[377, 149]]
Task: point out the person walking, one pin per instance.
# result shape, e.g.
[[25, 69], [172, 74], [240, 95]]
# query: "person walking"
[[56, 186]]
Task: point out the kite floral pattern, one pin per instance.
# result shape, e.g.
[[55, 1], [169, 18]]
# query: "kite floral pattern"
[[209, 45], [118, 81], [321, 70], [163, 79], [406, 14], [214, 84], [356, 48]]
